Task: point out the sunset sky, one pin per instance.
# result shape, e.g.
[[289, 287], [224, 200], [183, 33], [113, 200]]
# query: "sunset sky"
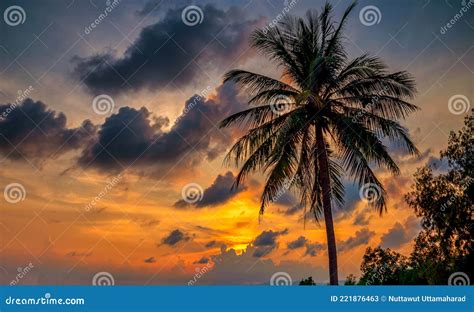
[[104, 186]]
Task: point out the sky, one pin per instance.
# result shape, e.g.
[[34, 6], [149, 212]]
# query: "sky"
[[111, 159]]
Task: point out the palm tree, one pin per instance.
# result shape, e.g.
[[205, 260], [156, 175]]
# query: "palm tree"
[[338, 116]]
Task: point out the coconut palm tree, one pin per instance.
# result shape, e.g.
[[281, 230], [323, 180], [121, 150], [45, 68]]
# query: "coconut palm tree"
[[327, 116]]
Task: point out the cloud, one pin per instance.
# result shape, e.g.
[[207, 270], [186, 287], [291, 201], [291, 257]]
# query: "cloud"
[[313, 249], [293, 210], [32, 131], [400, 234], [169, 53], [175, 237], [218, 193], [211, 244], [203, 260], [150, 260], [266, 242], [361, 237], [362, 218], [297, 243], [231, 268], [134, 138]]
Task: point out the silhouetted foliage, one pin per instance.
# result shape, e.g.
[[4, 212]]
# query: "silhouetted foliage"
[[307, 282], [350, 280], [327, 116], [444, 202]]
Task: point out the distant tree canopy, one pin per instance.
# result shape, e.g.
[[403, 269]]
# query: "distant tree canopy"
[[444, 202], [307, 282]]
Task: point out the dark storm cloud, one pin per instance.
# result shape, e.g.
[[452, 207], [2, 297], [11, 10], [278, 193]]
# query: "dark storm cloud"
[[175, 237], [297, 243], [218, 193], [211, 244], [266, 242], [361, 237], [168, 53], [133, 137], [150, 260], [31, 130], [203, 260], [313, 249], [362, 218], [400, 234]]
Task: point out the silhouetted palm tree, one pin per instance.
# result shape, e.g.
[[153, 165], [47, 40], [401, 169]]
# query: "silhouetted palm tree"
[[337, 117]]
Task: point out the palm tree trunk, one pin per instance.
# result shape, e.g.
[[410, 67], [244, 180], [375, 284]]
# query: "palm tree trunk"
[[326, 188]]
